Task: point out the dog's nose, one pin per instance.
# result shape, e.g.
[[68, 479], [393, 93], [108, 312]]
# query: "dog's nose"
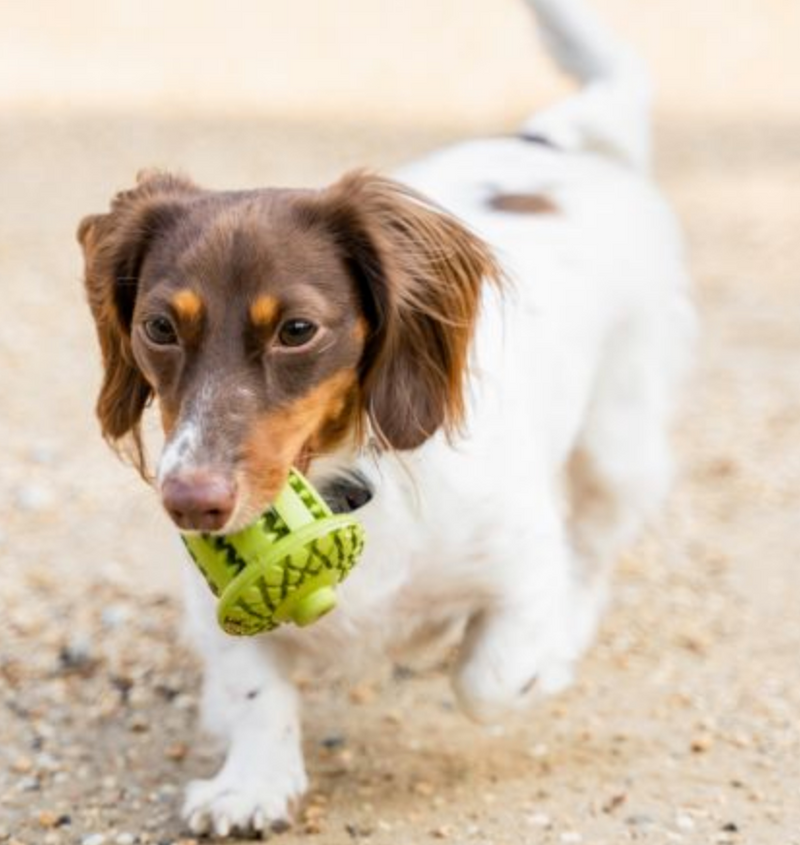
[[199, 501]]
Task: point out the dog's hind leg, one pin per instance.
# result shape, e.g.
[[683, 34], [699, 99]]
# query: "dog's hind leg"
[[621, 467], [520, 642]]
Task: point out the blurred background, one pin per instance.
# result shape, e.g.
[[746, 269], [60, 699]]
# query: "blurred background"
[[684, 725]]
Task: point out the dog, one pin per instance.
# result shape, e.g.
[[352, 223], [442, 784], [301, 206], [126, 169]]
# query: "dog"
[[481, 355]]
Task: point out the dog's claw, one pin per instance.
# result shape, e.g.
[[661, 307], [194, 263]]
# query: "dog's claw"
[[259, 822], [198, 823], [222, 826]]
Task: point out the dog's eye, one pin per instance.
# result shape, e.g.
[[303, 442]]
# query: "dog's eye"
[[296, 333], [160, 331]]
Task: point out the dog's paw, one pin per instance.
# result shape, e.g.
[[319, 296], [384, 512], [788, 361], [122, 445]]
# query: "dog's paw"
[[506, 663], [488, 691], [247, 805]]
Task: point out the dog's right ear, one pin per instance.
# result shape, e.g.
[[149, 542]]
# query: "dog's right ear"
[[114, 248]]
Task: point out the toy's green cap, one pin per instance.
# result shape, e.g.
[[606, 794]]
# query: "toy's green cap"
[[282, 568]]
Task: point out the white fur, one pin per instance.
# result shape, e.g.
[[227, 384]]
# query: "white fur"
[[180, 450], [490, 540], [609, 113]]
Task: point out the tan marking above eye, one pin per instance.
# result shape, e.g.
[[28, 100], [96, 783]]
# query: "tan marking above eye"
[[264, 310], [188, 305], [523, 203]]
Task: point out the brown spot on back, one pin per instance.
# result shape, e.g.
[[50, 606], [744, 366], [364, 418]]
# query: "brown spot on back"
[[523, 204], [188, 305], [264, 310]]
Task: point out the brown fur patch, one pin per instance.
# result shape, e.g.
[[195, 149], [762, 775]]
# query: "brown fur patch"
[[169, 418], [264, 311], [278, 437], [188, 305], [523, 204]]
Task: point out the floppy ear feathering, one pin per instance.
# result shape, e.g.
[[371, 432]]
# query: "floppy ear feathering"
[[421, 274], [114, 247]]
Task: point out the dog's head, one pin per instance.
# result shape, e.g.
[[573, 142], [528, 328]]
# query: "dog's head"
[[274, 326]]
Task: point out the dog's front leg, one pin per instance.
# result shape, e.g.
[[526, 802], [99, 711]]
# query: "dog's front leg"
[[250, 702]]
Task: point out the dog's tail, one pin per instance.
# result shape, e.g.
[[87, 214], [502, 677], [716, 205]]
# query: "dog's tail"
[[610, 114]]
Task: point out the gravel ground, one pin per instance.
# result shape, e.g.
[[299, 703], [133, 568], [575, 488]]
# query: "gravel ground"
[[684, 724]]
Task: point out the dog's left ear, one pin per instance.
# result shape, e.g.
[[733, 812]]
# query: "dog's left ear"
[[420, 274]]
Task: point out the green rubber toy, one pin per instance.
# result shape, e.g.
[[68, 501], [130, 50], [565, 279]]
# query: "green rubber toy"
[[282, 568]]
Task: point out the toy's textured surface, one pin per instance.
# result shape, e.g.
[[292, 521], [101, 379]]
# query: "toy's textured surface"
[[284, 567]]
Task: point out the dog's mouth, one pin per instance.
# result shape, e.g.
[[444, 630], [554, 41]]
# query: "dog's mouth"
[[205, 502], [347, 492]]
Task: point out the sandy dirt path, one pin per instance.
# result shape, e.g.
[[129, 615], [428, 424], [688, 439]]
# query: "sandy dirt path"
[[685, 723]]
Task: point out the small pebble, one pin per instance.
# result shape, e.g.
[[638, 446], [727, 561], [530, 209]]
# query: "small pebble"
[[177, 751], [94, 839], [702, 743], [730, 827], [22, 765], [76, 655], [42, 453], [48, 819], [184, 701], [125, 838], [47, 762], [114, 615], [166, 793], [362, 694], [640, 820], [614, 802], [684, 822], [138, 725], [570, 837], [33, 497]]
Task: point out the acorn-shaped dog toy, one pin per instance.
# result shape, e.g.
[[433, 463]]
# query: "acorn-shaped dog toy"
[[284, 567]]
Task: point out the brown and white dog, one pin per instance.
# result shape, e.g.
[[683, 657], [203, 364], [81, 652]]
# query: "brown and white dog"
[[490, 375]]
